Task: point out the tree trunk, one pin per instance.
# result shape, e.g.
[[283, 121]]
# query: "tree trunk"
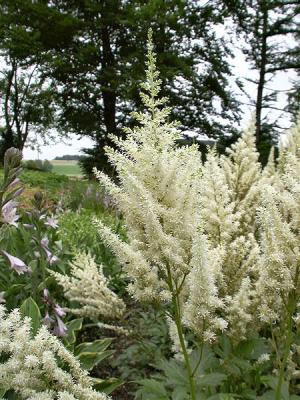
[[108, 92], [262, 73]]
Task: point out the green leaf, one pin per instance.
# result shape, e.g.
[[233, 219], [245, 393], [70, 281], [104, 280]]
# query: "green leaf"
[[106, 385], [93, 347], [272, 381], [223, 396], [180, 393], [29, 308], [73, 326], [11, 395], [89, 360], [175, 373], [213, 380], [252, 349], [91, 353], [152, 390], [269, 395]]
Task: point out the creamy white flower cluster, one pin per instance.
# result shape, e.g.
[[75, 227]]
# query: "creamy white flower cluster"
[[230, 194], [278, 285], [159, 198], [33, 367], [216, 235], [87, 286]]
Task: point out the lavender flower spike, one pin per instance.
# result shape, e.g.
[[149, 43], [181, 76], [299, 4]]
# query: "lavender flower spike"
[[16, 264], [60, 329], [9, 213]]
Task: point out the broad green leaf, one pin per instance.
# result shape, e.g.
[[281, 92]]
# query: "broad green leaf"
[[73, 326], [89, 360], [106, 385], [29, 308], [93, 347]]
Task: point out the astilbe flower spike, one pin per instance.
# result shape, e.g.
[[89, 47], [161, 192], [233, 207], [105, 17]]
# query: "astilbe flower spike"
[[87, 286], [31, 366]]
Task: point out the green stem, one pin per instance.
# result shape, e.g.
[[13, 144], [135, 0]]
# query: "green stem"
[[177, 320], [285, 357], [200, 359], [288, 329]]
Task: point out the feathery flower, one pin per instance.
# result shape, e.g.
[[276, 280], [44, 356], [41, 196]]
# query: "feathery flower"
[[87, 286], [31, 366]]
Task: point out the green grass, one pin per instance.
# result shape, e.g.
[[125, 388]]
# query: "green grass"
[[66, 167]]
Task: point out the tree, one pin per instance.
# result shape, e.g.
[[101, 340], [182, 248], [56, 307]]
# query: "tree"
[[265, 25], [27, 105], [27, 94], [99, 75]]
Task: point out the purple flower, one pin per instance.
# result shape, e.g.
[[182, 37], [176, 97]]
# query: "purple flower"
[[47, 320], [45, 242], [46, 294], [14, 183], [16, 264], [60, 329], [52, 222], [59, 311], [9, 213], [28, 226], [18, 192]]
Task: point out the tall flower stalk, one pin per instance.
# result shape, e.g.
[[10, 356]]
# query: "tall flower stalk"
[[211, 244], [158, 197]]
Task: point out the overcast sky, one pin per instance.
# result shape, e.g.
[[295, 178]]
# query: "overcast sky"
[[282, 82]]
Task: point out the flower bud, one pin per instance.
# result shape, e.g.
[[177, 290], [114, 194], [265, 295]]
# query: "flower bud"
[[12, 159]]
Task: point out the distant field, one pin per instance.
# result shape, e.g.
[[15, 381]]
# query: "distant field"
[[66, 167]]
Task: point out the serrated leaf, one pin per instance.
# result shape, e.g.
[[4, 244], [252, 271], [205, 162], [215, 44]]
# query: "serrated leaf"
[[180, 393], [175, 373], [213, 379], [269, 395], [152, 390], [252, 349]]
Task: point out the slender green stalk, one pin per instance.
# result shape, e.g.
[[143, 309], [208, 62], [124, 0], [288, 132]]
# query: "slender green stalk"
[[178, 322], [288, 329], [200, 359]]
